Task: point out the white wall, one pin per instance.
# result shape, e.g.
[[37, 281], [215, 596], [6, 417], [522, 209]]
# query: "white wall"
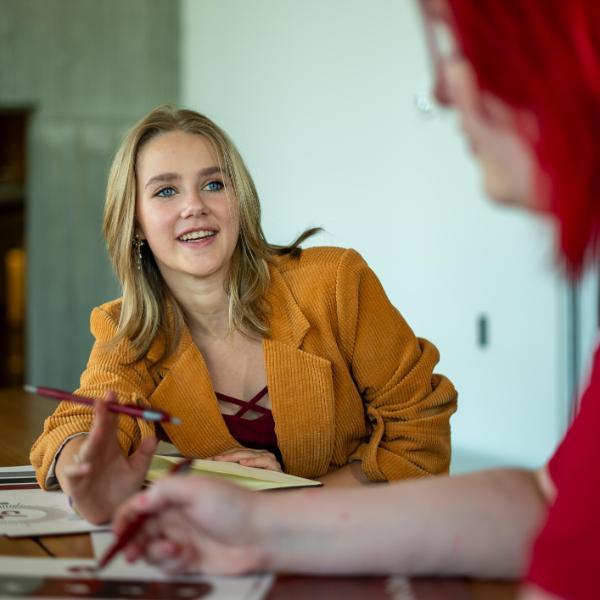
[[319, 96]]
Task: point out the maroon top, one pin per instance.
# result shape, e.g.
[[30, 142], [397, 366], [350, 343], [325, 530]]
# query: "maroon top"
[[565, 559], [256, 433]]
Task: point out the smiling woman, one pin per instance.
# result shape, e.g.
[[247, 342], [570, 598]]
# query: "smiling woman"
[[184, 211], [272, 356]]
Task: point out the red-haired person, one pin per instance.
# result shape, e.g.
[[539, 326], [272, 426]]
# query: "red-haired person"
[[524, 77]]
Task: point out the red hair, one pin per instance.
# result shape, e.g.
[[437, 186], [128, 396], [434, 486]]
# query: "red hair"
[[543, 56]]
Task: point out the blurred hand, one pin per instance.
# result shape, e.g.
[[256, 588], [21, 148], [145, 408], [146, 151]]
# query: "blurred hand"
[[195, 524], [249, 457], [95, 473]]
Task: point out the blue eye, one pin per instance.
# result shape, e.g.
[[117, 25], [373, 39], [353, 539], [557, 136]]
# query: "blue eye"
[[166, 192], [214, 186]]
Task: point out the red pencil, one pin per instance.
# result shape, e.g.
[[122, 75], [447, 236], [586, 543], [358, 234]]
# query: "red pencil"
[[133, 527], [126, 409]]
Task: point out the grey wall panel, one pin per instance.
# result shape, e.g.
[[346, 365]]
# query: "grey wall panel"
[[88, 70]]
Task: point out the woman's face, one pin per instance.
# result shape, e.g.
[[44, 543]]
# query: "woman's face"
[[184, 210], [505, 160]]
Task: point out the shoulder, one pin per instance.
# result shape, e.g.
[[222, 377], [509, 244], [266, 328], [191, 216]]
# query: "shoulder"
[[320, 263], [320, 278], [325, 270], [104, 319], [579, 444]]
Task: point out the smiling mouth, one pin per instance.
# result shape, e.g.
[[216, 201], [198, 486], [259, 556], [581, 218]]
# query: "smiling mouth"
[[193, 236]]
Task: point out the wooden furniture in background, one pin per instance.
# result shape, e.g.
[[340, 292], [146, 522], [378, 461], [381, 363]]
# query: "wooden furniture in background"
[[13, 128]]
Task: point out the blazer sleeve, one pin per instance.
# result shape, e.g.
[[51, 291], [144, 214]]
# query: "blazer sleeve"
[[107, 369], [407, 405]]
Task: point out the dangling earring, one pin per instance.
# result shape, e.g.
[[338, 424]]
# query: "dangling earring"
[[138, 242]]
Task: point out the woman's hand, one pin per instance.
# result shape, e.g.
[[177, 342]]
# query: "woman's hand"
[[249, 457], [196, 525], [95, 473]]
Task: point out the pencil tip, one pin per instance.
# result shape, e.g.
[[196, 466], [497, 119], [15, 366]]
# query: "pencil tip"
[[30, 389], [175, 421]]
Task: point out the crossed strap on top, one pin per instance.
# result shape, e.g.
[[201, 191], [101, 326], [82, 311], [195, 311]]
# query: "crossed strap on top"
[[246, 406]]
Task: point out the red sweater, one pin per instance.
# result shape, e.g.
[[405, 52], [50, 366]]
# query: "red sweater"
[[566, 557]]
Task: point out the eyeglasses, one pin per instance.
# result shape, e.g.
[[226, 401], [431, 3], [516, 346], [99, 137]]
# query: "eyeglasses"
[[442, 48]]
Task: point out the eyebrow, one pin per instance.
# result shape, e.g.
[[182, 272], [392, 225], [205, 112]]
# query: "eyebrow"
[[167, 177]]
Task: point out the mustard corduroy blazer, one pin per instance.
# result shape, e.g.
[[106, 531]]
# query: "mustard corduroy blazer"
[[347, 380]]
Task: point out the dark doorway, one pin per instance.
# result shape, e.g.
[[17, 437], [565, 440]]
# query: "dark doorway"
[[13, 175]]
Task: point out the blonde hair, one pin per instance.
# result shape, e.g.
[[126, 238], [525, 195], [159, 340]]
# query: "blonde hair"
[[148, 308]]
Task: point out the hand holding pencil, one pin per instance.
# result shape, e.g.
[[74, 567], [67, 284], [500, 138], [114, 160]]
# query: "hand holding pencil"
[[134, 526], [95, 472], [195, 524]]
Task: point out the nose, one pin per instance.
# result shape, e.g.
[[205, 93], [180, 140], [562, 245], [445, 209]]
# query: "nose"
[[194, 206]]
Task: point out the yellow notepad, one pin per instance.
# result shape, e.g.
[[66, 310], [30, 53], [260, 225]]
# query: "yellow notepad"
[[248, 477]]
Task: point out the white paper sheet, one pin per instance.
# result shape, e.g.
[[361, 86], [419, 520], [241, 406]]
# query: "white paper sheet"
[[39, 575], [37, 512], [256, 586], [22, 477], [20, 471]]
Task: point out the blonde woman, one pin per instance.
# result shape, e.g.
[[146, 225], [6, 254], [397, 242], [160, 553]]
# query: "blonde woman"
[[273, 357]]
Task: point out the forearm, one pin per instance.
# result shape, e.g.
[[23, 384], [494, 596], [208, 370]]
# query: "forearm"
[[478, 525]]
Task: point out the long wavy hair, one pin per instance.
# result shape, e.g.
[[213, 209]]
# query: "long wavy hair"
[[148, 308], [544, 58]]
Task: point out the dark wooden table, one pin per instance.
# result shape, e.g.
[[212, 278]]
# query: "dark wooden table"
[[21, 420]]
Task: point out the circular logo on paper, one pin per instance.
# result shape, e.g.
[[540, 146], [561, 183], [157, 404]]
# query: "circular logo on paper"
[[21, 513]]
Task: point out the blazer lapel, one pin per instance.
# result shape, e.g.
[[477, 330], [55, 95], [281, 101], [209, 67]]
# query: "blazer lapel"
[[300, 387], [186, 391]]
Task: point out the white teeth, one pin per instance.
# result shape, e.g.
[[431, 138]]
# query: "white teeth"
[[196, 235]]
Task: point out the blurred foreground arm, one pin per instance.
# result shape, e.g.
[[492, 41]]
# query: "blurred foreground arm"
[[478, 525]]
